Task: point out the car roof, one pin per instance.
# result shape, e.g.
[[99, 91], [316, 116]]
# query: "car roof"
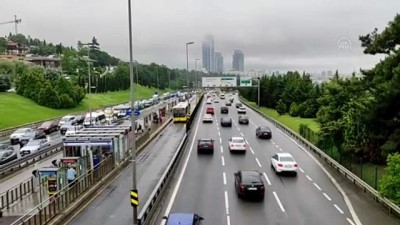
[[264, 127], [238, 138], [225, 118], [282, 154], [180, 219]]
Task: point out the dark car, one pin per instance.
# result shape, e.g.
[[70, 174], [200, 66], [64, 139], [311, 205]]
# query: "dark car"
[[34, 135], [183, 219], [205, 145], [7, 156], [228, 103], [238, 105], [264, 132], [248, 183], [243, 119], [79, 119], [224, 110], [48, 127], [226, 122]]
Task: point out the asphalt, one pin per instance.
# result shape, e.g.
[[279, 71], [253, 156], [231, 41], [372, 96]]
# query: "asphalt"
[[309, 198]]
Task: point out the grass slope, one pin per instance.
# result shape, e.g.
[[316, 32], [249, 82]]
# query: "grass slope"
[[16, 110]]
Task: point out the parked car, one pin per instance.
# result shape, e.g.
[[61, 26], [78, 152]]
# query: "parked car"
[[264, 132], [207, 118], [34, 146], [7, 156], [210, 110], [243, 119], [248, 183], [34, 135], [241, 110], [183, 219], [226, 121], [237, 144], [49, 127], [15, 137], [284, 163], [205, 145], [238, 105], [224, 110]]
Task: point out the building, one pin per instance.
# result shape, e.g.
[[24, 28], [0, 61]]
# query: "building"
[[219, 62], [208, 54], [238, 60]]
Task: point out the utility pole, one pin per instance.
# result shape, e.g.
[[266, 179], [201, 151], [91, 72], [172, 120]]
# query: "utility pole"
[[187, 63], [15, 21], [196, 72]]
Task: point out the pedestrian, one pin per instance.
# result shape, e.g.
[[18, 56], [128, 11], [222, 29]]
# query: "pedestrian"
[[71, 175], [35, 181]]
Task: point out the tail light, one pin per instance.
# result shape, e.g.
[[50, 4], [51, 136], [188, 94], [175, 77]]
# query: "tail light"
[[244, 145], [241, 187], [280, 165], [232, 145], [295, 165]]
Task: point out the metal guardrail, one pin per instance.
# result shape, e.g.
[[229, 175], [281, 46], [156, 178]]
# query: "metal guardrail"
[[16, 193], [366, 188]]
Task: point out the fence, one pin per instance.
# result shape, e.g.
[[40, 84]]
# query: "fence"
[[16, 193], [368, 172]]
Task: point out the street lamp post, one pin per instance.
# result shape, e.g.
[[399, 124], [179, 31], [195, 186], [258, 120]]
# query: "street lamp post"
[[259, 81], [133, 144], [187, 63], [195, 64]]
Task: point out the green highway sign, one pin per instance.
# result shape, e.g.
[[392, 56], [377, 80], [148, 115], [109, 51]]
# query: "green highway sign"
[[246, 82]]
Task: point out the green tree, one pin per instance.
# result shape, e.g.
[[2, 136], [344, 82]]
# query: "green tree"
[[281, 107], [5, 83], [390, 183], [3, 45], [48, 96], [294, 109]]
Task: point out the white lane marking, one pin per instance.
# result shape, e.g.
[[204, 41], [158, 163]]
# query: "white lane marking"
[[220, 140], [247, 142], [338, 209], [327, 196], [219, 133], [316, 185], [309, 178], [280, 149], [278, 201], [224, 177], [346, 199], [238, 128], [226, 203], [180, 178], [273, 142], [258, 162], [349, 220], [277, 146], [228, 220], [251, 150], [223, 161], [301, 170], [222, 149], [218, 128], [266, 178], [241, 134]]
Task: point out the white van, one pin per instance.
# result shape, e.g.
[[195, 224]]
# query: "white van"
[[98, 118]]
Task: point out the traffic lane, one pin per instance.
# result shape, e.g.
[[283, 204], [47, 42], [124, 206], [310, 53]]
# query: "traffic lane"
[[202, 188], [112, 206], [307, 166]]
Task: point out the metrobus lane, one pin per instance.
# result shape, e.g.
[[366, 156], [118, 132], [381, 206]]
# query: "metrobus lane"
[[319, 198], [199, 186]]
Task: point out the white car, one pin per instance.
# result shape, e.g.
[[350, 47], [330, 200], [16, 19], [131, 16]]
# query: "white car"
[[241, 110], [209, 101], [216, 101], [237, 144], [34, 146], [208, 118], [284, 162]]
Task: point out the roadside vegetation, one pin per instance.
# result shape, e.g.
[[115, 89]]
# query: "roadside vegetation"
[[358, 117]]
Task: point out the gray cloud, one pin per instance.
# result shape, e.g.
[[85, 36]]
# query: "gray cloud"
[[273, 34]]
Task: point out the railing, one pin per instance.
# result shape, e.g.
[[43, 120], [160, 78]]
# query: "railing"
[[387, 204], [16, 193]]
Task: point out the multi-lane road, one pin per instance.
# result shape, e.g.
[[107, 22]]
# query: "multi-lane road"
[[205, 183]]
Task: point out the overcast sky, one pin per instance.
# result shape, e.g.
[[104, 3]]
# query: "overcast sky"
[[273, 34]]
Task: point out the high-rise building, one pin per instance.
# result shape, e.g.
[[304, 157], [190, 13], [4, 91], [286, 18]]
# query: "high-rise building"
[[219, 62], [238, 60], [209, 54]]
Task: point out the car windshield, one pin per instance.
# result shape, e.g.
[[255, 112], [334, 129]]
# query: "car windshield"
[[205, 141], [46, 124], [251, 178], [286, 159], [65, 119], [179, 112], [4, 147], [244, 117], [237, 140], [264, 129], [34, 143], [21, 131]]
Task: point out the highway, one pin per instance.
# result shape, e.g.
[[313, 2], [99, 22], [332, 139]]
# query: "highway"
[[205, 183]]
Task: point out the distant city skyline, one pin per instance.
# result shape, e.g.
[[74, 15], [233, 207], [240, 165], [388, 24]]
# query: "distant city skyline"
[[238, 60]]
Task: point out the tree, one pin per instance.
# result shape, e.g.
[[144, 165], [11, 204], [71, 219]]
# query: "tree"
[[5, 83], [48, 96], [281, 107], [390, 183], [3, 45]]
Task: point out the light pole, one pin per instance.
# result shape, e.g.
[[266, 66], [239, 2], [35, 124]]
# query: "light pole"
[[259, 81], [134, 186], [187, 63], [195, 65]]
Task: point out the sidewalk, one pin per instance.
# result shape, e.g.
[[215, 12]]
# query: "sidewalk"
[[30, 201]]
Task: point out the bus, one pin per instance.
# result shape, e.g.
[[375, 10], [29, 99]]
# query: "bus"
[[181, 112]]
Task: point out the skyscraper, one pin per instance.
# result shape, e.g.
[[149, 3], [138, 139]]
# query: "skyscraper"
[[209, 54], [219, 62], [238, 60]]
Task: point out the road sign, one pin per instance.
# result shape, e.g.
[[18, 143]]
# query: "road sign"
[[219, 82], [246, 82], [134, 198]]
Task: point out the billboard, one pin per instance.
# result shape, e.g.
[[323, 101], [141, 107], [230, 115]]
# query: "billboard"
[[219, 82], [246, 81]]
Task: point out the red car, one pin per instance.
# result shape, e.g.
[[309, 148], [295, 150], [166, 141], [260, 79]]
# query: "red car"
[[210, 110]]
